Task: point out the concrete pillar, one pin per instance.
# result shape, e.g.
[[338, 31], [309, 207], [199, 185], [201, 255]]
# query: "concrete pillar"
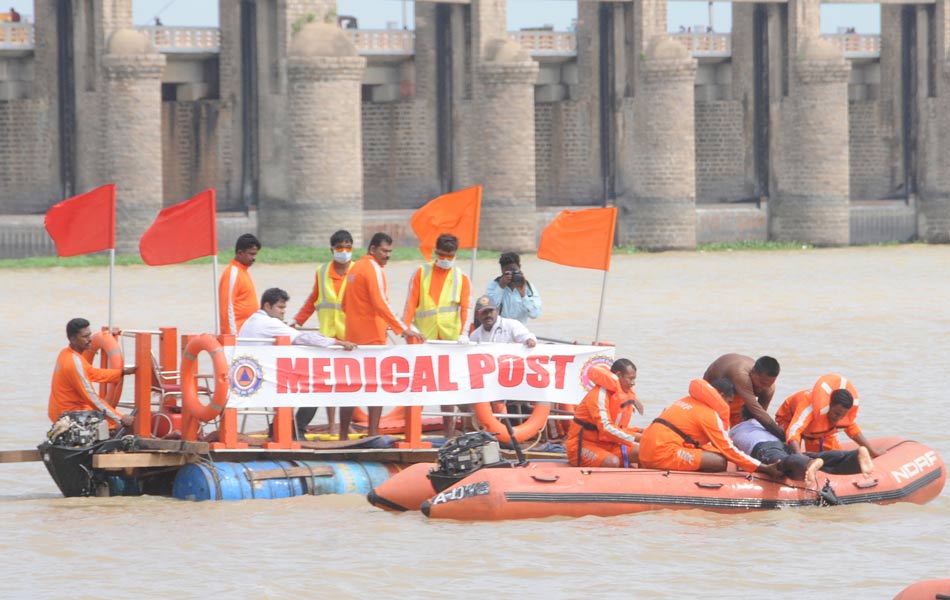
[[811, 200], [130, 138], [324, 143], [505, 147], [658, 211], [933, 215]]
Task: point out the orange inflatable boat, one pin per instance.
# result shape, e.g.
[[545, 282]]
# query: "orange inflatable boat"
[[933, 589], [907, 472]]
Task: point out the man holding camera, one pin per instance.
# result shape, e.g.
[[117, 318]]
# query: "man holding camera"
[[512, 293]]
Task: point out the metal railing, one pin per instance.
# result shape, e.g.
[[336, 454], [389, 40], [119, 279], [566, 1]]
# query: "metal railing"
[[16, 36], [401, 42], [546, 43], [705, 44], [183, 39], [383, 41], [855, 45]]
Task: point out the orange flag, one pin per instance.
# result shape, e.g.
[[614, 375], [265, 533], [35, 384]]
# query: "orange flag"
[[182, 232], [580, 239], [456, 213], [83, 223]]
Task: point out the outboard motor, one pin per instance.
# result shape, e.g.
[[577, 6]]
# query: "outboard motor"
[[67, 453], [463, 455]]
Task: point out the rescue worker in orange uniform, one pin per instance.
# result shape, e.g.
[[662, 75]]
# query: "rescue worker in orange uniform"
[[326, 299], [368, 314], [237, 297], [438, 301], [812, 418], [599, 436], [71, 387], [754, 381], [692, 434]]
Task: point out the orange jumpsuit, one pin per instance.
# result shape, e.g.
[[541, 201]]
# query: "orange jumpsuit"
[[702, 419], [366, 304], [797, 416], [439, 276], [71, 387], [237, 298], [600, 422]]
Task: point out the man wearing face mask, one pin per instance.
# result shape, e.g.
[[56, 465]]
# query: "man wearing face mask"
[[327, 300], [438, 301], [439, 294]]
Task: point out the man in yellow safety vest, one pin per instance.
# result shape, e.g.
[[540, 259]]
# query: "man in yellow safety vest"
[[326, 300], [438, 300]]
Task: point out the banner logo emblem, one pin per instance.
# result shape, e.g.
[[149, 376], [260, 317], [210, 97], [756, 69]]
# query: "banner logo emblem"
[[599, 359], [245, 376]]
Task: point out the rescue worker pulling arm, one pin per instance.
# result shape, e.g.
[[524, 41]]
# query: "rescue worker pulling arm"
[[691, 434]]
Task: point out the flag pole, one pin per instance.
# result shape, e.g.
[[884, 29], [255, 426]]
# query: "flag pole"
[[111, 283], [471, 275], [600, 312], [214, 286]]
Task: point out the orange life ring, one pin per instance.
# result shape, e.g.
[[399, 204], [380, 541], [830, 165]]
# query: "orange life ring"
[[526, 430], [103, 340], [189, 382], [407, 88]]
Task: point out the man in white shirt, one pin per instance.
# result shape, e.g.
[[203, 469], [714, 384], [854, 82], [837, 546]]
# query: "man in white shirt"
[[268, 323], [494, 328]]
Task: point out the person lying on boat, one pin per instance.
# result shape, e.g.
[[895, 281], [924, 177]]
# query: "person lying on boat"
[[494, 328], [751, 437], [268, 323], [812, 418], [691, 434], [599, 435], [754, 381], [71, 388]]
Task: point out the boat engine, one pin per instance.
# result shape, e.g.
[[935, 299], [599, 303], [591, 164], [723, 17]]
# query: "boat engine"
[[463, 455], [79, 428]]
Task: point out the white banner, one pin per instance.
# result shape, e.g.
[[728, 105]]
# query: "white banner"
[[409, 375]]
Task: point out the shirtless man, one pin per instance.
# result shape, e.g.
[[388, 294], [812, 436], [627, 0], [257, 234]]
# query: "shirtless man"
[[755, 385]]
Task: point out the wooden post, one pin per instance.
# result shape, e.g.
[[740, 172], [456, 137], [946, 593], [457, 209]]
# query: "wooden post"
[[143, 385], [228, 431], [283, 429], [413, 429]]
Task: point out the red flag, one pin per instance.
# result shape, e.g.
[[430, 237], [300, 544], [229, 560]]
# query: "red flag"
[[580, 239], [83, 223], [182, 232], [456, 213]]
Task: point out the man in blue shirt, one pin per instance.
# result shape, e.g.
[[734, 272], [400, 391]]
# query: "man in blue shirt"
[[512, 293]]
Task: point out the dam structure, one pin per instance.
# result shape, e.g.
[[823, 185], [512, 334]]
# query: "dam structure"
[[304, 124]]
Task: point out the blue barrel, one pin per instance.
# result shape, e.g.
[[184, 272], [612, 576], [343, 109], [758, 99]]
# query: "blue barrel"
[[123, 486], [236, 481], [348, 477]]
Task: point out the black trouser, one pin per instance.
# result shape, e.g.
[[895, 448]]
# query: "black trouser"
[[837, 462]]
